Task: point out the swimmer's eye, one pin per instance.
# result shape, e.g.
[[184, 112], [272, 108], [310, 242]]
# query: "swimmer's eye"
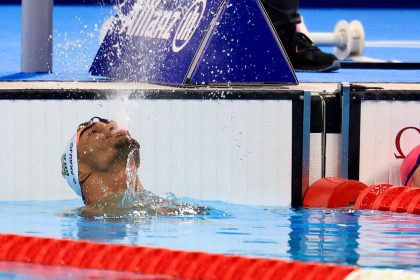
[[93, 132], [84, 126]]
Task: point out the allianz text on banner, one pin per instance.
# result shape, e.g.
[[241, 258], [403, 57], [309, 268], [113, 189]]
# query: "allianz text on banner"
[[192, 41]]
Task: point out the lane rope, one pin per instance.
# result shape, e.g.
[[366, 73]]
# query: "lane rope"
[[158, 261]]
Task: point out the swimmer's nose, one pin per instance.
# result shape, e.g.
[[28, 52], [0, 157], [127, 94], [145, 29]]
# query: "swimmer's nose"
[[112, 129]]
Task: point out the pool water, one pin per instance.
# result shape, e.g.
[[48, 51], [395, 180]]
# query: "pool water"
[[25, 271], [347, 237]]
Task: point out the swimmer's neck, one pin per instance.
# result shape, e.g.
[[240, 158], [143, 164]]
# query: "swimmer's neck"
[[100, 185]]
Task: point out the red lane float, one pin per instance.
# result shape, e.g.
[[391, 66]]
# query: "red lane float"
[[402, 201], [155, 261], [414, 206], [368, 196], [337, 193], [333, 192], [384, 200]]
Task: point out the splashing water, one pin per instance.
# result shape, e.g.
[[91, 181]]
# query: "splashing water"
[[135, 205], [120, 108], [130, 172], [75, 38], [142, 205]]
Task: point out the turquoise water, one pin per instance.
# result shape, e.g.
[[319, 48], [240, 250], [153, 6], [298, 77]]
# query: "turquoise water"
[[347, 237], [23, 271]]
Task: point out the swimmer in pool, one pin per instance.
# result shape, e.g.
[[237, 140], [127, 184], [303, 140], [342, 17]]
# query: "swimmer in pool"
[[100, 164], [410, 170]]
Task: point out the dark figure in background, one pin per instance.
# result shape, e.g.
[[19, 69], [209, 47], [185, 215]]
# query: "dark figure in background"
[[302, 52]]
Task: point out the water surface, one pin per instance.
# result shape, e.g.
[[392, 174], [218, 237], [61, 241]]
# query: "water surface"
[[347, 237]]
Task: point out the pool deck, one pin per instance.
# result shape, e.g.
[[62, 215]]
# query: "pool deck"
[[115, 86], [77, 28]]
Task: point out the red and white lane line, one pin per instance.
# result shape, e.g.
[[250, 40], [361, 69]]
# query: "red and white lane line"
[[179, 264]]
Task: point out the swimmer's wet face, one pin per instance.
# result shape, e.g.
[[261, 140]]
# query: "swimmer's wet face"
[[102, 144], [100, 164], [104, 152]]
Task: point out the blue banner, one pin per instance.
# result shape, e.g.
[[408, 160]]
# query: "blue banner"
[[154, 40], [243, 48], [175, 42]]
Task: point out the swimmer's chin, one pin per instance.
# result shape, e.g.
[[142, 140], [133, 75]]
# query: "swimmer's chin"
[[124, 140]]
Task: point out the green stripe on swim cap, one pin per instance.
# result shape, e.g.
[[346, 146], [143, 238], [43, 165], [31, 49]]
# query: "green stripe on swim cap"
[[69, 165], [64, 170]]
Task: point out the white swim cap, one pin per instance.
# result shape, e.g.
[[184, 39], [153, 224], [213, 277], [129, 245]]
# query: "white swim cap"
[[69, 165]]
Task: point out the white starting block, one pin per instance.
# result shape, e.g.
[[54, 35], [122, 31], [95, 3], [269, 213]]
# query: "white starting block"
[[348, 38]]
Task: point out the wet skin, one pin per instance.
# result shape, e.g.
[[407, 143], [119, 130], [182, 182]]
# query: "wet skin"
[[103, 151]]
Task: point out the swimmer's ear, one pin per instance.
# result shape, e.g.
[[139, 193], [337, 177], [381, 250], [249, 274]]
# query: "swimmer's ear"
[[84, 172]]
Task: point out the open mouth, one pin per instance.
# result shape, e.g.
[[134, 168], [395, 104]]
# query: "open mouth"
[[119, 132]]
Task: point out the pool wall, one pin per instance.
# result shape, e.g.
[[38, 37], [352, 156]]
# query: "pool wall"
[[365, 132], [325, 138], [368, 131], [232, 146], [246, 145], [386, 128]]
